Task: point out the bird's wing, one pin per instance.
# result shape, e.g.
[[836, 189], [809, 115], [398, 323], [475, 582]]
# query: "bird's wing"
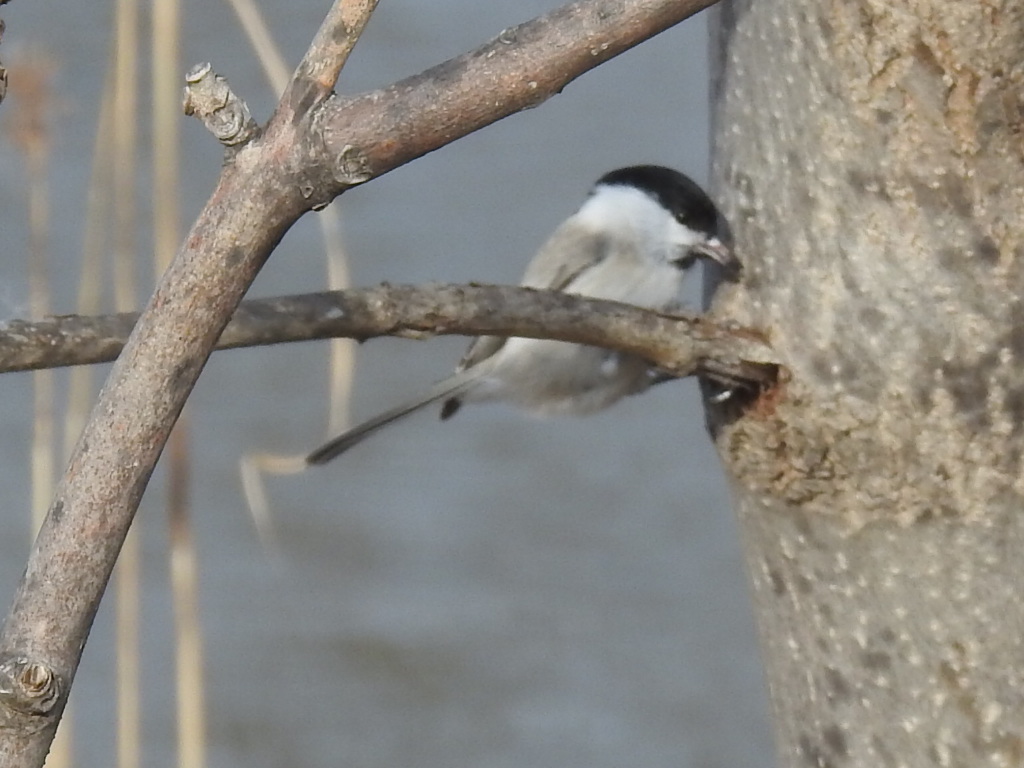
[[570, 249]]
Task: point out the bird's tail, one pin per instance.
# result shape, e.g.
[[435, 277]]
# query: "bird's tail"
[[453, 385]]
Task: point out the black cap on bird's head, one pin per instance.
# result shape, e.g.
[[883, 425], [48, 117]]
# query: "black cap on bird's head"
[[685, 200]]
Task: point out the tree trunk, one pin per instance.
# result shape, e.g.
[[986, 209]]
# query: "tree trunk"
[[869, 158]]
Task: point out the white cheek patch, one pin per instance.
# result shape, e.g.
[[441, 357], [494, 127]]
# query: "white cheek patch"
[[684, 237]]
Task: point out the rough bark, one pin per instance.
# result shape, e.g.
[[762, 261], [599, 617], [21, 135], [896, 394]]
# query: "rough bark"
[[869, 158]]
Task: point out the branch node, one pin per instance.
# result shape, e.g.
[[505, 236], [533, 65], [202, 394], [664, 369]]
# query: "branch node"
[[29, 687], [209, 98], [508, 36], [352, 166]]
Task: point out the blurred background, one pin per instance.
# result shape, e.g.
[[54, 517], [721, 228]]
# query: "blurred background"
[[492, 591]]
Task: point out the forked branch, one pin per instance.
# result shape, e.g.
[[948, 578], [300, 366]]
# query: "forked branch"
[[313, 148]]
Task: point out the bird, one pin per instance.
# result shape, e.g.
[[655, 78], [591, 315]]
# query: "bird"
[[632, 240]]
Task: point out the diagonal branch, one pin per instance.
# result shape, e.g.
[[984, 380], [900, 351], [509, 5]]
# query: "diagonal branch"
[[678, 344], [367, 135], [319, 69], [309, 152]]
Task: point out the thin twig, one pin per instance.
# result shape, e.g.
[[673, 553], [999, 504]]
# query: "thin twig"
[[313, 81], [341, 365], [31, 132], [676, 343], [125, 238], [333, 43]]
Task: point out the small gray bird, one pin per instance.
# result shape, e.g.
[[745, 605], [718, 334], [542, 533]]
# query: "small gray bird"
[[632, 241]]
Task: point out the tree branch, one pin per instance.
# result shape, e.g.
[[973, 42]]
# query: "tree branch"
[[319, 69], [678, 344], [310, 151], [364, 136]]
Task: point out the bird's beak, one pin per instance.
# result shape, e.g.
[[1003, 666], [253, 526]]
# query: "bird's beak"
[[716, 250]]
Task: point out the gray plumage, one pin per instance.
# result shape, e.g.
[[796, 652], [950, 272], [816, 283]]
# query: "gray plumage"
[[631, 241]]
